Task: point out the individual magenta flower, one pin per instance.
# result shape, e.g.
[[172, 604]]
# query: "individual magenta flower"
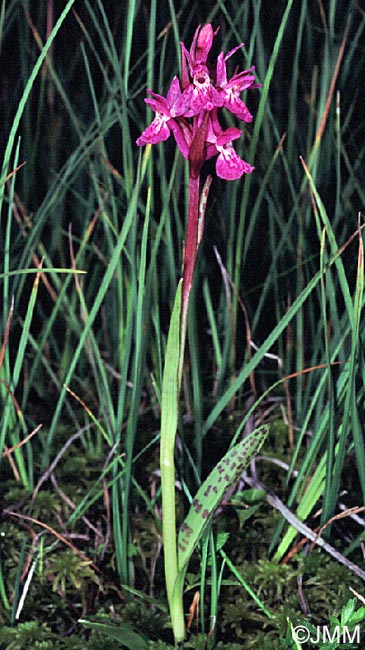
[[230, 91], [200, 91], [229, 165], [201, 94], [166, 110]]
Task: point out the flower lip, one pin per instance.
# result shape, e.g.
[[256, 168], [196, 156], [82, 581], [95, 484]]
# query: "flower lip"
[[157, 131], [229, 165]]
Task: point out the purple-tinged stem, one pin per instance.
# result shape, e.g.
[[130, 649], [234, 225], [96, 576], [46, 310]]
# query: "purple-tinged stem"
[[190, 254], [197, 206], [193, 235]]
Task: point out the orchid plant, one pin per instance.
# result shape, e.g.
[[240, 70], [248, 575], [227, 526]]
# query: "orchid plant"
[[190, 111]]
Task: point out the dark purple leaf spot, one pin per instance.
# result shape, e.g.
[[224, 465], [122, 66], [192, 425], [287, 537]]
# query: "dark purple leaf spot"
[[185, 528], [197, 506]]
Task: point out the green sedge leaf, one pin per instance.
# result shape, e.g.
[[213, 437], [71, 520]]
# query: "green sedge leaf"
[[124, 633], [211, 492]]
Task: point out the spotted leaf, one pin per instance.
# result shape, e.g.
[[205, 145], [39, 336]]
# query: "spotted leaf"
[[211, 492]]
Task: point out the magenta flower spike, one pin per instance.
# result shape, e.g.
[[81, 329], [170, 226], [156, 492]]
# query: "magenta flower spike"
[[202, 90]]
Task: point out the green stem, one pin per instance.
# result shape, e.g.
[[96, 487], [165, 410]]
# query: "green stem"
[[169, 418], [171, 385]]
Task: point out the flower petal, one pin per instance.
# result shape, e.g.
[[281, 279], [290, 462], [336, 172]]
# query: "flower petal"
[[229, 165], [157, 106], [182, 134], [229, 54], [176, 100], [157, 103], [174, 92], [156, 132], [221, 73], [228, 135], [204, 44], [236, 106], [242, 80]]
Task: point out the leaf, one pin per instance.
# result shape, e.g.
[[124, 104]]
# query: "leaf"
[[250, 497], [246, 514], [348, 610], [211, 492], [123, 633], [171, 381], [357, 617], [221, 541], [149, 600], [246, 503]]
